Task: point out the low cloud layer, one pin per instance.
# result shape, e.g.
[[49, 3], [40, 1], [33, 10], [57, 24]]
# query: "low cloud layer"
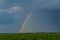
[[11, 10]]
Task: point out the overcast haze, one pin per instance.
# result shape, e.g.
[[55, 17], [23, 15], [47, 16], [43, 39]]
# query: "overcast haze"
[[44, 17]]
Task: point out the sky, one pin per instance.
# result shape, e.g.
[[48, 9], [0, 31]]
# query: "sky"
[[45, 15], [12, 14]]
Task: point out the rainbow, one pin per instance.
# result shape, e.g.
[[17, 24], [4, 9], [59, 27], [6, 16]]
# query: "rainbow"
[[24, 22]]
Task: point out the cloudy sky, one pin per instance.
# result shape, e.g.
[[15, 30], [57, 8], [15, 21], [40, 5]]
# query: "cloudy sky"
[[13, 12]]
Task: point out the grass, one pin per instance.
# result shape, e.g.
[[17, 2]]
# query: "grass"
[[30, 36]]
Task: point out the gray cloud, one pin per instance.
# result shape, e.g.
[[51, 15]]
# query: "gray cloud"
[[46, 4]]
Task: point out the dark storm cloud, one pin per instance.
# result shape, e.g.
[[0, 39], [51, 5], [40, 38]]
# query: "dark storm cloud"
[[47, 4]]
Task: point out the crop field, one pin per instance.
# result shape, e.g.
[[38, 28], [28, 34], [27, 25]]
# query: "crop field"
[[29, 36]]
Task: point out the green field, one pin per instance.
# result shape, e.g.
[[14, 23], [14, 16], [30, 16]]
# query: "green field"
[[29, 36]]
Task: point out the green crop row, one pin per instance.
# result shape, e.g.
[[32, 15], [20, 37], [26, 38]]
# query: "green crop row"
[[30, 36]]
